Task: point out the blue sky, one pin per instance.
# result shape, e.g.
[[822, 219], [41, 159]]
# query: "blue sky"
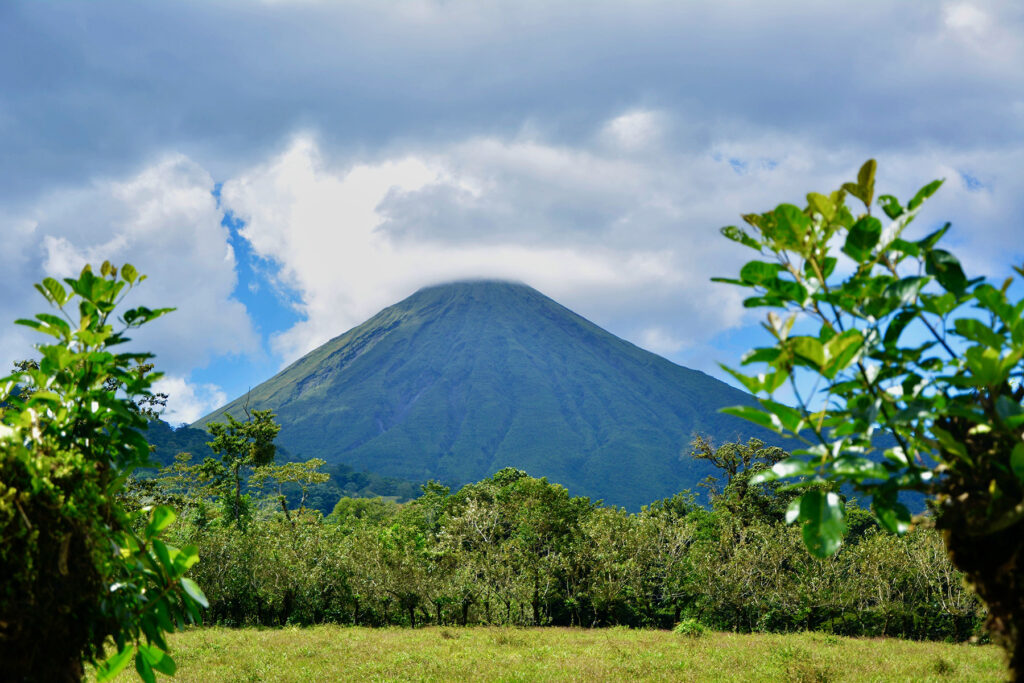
[[283, 170]]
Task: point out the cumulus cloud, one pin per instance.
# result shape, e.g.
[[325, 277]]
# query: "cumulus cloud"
[[351, 240], [659, 341], [634, 130], [365, 74], [165, 221], [591, 152], [188, 402], [628, 240]]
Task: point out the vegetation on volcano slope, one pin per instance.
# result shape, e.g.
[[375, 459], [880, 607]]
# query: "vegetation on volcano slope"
[[459, 381]]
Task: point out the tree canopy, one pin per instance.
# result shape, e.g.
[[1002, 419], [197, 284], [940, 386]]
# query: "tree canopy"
[[881, 338]]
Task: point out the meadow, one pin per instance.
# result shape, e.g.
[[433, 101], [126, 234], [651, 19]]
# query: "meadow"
[[327, 653]]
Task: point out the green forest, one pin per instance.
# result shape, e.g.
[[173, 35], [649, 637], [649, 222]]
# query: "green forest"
[[517, 550]]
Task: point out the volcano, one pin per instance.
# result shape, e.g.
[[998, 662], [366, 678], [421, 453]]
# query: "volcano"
[[461, 380]]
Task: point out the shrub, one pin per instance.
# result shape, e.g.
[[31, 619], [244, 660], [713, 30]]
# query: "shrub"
[[78, 569], [690, 627]]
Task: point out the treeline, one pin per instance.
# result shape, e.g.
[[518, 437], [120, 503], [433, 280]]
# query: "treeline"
[[516, 550], [343, 480]]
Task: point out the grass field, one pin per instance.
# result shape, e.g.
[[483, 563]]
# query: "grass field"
[[328, 653]]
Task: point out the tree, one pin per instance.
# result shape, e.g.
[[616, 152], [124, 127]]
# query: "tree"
[[303, 474], [79, 570], [740, 463], [898, 346], [243, 444]]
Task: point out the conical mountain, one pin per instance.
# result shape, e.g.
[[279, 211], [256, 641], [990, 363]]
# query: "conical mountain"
[[460, 380]]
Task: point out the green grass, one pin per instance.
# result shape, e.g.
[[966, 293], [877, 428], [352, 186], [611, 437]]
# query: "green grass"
[[327, 653]]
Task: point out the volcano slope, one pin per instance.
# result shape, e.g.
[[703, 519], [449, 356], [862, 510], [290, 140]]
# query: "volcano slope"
[[460, 380]]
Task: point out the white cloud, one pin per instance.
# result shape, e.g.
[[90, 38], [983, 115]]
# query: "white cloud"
[[963, 16], [625, 237], [658, 340], [592, 153], [188, 402], [635, 130], [326, 227], [165, 221]]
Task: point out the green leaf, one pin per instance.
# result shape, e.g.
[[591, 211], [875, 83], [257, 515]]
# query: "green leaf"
[[891, 206], [129, 273], [34, 324], [829, 265], [145, 670], [791, 223], [1010, 412], [163, 615], [946, 269], [794, 466], [753, 384], [977, 331], [906, 289], [163, 554], [905, 247], [791, 418], [984, 365], [924, 193], [808, 348], [755, 415], [765, 354], [113, 665], [892, 516], [862, 238], [930, 240], [739, 235], [759, 272], [1017, 460], [822, 204], [158, 659], [159, 519], [896, 327], [55, 290], [950, 444], [188, 557], [840, 351], [939, 305], [194, 591], [858, 468], [866, 181], [787, 290], [824, 522], [995, 301]]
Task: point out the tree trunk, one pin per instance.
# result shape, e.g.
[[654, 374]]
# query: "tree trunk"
[[284, 506], [238, 494], [994, 566]]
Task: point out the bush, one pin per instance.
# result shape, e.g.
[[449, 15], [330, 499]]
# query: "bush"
[[79, 571], [690, 627]]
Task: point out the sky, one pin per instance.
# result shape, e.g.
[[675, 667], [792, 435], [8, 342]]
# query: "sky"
[[283, 170]]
